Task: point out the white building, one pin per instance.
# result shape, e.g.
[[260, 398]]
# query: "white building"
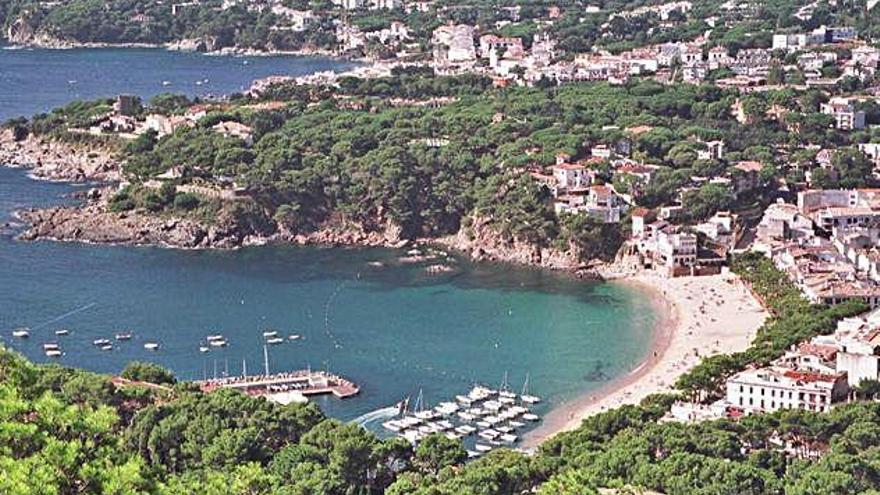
[[775, 387], [846, 117]]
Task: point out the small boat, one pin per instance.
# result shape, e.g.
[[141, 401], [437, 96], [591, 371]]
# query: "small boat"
[[526, 398], [270, 334], [204, 349], [151, 346], [62, 332], [489, 434], [50, 346], [466, 416], [123, 336], [53, 353], [508, 438], [275, 340], [100, 342], [294, 337], [108, 347], [392, 425], [21, 333]]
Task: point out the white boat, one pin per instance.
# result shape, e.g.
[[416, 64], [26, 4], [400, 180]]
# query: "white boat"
[[483, 448], [531, 417], [151, 346], [204, 349], [446, 408], [62, 332], [294, 337], [488, 434], [270, 333], [465, 430], [392, 425], [525, 397], [275, 341], [100, 342], [21, 333], [466, 416], [53, 353]]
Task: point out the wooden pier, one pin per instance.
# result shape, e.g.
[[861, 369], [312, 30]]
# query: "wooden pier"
[[305, 382]]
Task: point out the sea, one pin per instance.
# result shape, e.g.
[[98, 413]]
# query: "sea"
[[370, 315]]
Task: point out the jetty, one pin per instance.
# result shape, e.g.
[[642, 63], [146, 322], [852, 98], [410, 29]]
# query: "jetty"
[[304, 382]]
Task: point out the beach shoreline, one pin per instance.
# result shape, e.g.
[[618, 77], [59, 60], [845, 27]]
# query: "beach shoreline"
[[699, 317]]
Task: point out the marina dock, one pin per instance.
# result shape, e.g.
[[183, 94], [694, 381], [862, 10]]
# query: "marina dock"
[[304, 382]]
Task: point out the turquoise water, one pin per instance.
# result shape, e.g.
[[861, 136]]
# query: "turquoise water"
[[393, 329], [36, 80]]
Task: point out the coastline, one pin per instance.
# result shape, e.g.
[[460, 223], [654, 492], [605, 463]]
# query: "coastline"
[[725, 321]]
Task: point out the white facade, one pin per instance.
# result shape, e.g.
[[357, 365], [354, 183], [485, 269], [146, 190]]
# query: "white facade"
[[774, 388]]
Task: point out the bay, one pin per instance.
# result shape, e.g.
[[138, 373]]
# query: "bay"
[[384, 323]]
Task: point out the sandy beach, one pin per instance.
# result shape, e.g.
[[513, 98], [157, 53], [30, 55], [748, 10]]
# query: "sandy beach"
[[700, 316]]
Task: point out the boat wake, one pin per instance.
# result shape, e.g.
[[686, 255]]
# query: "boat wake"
[[65, 315], [377, 415]]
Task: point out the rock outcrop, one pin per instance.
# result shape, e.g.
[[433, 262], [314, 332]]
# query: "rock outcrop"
[[57, 160], [482, 242]]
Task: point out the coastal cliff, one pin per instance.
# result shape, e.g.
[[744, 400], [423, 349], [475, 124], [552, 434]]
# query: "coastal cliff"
[[482, 242], [52, 159]]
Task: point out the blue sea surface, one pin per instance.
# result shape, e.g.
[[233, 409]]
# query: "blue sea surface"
[[34, 80], [386, 324]]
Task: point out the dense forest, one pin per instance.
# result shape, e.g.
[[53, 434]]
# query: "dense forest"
[[71, 431], [350, 154]]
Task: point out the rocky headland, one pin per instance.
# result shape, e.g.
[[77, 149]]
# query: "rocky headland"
[[52, 159]]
